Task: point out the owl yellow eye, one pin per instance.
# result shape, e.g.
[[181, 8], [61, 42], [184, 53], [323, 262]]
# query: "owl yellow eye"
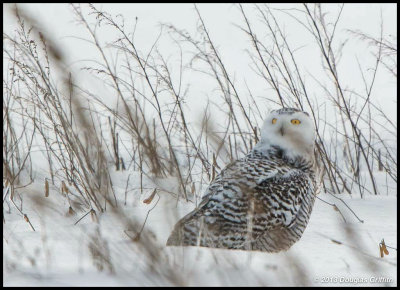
[[273, 120], [295, 121]]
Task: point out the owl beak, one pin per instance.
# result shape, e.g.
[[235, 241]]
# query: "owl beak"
[[282, 131]]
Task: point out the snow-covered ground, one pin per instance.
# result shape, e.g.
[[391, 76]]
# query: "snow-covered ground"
[[331, 252]]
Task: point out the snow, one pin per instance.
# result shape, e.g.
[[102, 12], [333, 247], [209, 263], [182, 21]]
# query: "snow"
[[57, 253]]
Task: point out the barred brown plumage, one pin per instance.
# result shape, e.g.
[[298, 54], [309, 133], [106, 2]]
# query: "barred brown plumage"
[[260, 202]]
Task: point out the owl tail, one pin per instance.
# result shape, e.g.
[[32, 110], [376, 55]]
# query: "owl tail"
[[175, 239], [187, 232]]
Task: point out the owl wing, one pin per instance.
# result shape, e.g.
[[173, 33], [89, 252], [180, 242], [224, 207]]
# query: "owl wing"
[[224, 206], [283, 194], [189, 226], [288, 199]]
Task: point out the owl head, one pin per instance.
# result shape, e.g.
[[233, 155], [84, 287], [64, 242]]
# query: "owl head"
[[289, 129]]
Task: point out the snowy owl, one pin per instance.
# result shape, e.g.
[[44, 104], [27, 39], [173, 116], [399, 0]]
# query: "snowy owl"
[[263, 201]]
